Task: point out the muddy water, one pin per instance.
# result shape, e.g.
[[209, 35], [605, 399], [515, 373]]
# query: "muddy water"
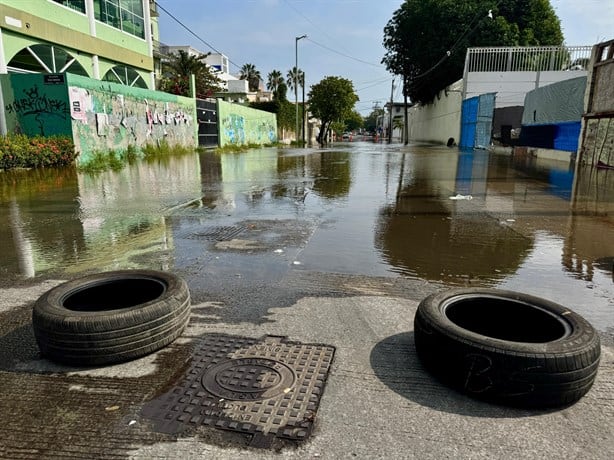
[[427, 213]]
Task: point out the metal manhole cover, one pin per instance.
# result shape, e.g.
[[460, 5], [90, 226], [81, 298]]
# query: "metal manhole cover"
[[249, 379], [268, 387]]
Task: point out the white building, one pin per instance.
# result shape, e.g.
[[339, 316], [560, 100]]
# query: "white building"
[[216, 61]]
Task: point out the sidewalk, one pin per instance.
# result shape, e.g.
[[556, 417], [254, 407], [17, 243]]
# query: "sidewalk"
[[378, 401]]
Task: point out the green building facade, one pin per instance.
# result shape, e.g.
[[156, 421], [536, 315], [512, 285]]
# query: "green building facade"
[[109, 40]]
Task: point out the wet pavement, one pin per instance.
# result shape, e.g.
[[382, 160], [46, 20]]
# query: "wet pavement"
[[334, 247]]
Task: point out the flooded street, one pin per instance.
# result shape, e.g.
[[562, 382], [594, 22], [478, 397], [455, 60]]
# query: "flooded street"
[[266, 217]]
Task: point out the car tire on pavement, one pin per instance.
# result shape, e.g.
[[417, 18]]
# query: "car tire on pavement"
[[507, 347], [110, 317]]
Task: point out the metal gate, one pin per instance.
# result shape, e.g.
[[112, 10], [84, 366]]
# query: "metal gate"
[[476, 121], [206, 114]]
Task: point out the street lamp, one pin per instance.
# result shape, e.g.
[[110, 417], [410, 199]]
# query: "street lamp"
[[296, 39]]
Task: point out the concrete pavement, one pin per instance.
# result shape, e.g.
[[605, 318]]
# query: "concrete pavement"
[[378, 402]]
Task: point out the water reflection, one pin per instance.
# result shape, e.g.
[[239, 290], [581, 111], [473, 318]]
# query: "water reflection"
[[41, 210], [380, 210], [59, 219]]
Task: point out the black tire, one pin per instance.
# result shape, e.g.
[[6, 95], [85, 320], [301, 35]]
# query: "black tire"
[[110, 317], [507, 347]]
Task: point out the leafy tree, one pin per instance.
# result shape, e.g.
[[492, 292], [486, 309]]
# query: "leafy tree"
[[280, 93], [354, 121], [370, 122], [295, 78], [176, 73], [249, 73], [280, 106], [331, 100], [274, 79], [337, 127], [426, 40]]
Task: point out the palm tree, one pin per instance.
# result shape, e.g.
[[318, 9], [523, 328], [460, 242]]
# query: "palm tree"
[[176, 73], [274, 79], [295, 75], [249, 73], [182, 63]]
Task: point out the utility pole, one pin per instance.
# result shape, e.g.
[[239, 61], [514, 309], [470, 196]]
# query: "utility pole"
[[303, 86], [390, 114]]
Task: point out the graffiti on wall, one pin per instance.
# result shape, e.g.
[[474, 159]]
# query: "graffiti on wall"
[[243, 125], [234, 129], [35, 109], [109, 116]]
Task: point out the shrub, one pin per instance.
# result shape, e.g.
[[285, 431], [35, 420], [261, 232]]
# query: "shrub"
[[102, 161], [21, 151]]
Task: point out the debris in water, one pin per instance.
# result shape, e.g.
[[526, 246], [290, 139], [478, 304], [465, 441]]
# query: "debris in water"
[[458, 196]]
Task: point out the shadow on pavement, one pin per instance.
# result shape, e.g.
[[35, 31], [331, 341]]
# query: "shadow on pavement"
[[396, 364]]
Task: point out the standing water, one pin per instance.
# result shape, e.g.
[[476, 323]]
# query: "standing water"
[[422, 212]]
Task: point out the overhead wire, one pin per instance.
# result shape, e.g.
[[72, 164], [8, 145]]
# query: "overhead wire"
[[343, 54], [451, 50], [194, 34], [296, 10]]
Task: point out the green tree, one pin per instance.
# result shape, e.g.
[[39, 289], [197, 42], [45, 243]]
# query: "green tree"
[[280, 92], [426, 40], [331, 100], [249, 73], [176, 71], [354, 121], [370, 122], [274, 79]]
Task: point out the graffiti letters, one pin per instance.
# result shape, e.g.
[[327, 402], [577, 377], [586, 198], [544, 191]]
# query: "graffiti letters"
[[38, 105]]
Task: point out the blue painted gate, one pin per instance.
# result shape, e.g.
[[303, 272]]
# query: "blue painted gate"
[[476, 121]]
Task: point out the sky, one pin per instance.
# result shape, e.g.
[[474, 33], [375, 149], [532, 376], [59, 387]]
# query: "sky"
[[344, 37]]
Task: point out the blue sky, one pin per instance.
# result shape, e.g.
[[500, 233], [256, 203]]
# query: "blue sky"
[[344, 37]]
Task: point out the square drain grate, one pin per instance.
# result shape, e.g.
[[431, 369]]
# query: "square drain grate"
[[221, 233], [268, 387]]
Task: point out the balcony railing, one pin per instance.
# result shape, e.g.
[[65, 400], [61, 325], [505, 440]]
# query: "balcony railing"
[[527, 59]]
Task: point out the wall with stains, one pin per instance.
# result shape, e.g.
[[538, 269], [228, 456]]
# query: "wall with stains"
[[99, 115], [241, 125], [598, 133]]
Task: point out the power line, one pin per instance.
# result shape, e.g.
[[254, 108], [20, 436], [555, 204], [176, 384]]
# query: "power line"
[[381, 82], [451, 50], [309, 21], [343, 54], [192, 33]]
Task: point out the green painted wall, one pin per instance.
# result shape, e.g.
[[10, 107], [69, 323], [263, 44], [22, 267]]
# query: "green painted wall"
[[241, 125], [108, 116], [47, 22], [100, 116], [36, 104]]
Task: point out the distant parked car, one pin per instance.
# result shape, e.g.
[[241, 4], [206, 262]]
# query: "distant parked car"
[[346, 136]]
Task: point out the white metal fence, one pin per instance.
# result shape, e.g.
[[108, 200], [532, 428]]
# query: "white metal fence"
[[531, 59]]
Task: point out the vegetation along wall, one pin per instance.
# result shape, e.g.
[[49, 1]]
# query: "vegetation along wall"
[[241, 125], [99, 115]]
